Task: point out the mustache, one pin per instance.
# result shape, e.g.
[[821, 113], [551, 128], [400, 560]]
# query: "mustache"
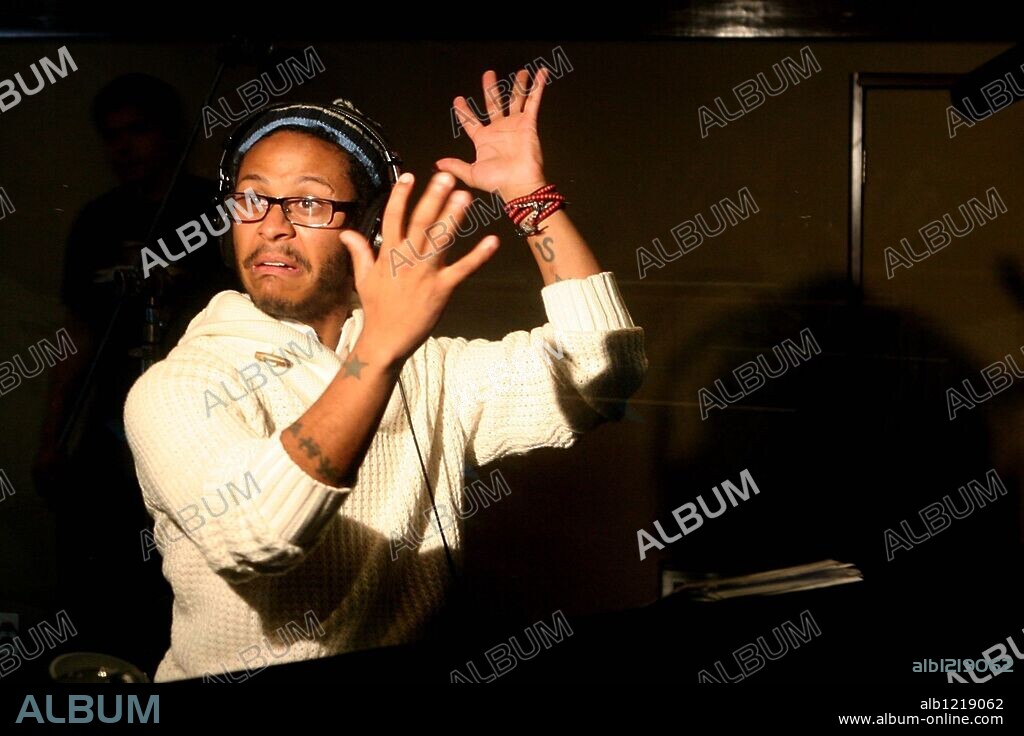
[[286, 252]]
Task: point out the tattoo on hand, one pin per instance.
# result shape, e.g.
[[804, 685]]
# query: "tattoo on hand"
[[544, 247]]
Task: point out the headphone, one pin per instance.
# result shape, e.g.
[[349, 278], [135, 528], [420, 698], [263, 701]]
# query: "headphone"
[[358, 134], [363, 138]]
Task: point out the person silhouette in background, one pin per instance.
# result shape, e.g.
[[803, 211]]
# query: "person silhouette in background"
[[89, 481]]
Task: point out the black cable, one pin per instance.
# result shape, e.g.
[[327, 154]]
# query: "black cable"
[[430, 490]]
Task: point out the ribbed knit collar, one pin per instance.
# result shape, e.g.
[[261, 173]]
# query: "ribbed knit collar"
[[232, 315]]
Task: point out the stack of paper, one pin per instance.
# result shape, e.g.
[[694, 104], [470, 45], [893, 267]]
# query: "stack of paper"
[[772, 582]]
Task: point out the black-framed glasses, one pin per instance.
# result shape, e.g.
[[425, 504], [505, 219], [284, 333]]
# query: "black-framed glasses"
[[305, 211]]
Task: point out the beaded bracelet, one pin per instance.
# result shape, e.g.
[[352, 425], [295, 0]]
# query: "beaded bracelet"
[[529, 211]]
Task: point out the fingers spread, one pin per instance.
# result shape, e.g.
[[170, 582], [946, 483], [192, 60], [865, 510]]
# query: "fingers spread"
[[359, 250], [519, 92], [459, 271], [540, 80], [492, 95], [392, 224], [469, 120], [427, 210], [441, 233]]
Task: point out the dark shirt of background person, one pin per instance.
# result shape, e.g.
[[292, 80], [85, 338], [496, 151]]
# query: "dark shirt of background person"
[[141, 123]]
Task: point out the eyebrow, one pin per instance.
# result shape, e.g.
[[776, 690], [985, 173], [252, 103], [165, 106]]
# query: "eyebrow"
[[300, 180], [317, 179]]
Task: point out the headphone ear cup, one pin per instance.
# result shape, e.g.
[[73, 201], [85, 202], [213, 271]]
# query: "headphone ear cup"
[[370, 225]]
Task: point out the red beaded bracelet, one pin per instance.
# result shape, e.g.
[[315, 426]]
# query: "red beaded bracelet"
[[529, 211]]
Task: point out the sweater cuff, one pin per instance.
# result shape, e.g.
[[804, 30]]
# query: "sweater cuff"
[[291, 502], [590, 304]]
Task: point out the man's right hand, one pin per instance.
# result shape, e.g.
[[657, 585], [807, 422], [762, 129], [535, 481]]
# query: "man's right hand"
[[402, 305]]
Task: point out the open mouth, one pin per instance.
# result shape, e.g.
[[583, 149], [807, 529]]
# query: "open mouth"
[[279, 266]]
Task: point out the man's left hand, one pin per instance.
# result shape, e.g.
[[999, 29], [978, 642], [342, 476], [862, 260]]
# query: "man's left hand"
[[508, 155]]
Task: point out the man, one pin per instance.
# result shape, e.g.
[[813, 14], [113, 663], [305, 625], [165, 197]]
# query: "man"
[[275, 454]]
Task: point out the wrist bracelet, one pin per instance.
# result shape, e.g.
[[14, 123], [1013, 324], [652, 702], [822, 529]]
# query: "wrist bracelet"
[[529, 211]]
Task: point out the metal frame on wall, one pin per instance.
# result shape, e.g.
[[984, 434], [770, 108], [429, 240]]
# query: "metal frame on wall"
[[860, 84]]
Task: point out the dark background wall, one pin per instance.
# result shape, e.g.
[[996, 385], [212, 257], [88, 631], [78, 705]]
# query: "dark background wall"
[[842, 447]]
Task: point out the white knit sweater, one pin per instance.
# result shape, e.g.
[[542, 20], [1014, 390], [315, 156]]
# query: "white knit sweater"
[[255, 549]]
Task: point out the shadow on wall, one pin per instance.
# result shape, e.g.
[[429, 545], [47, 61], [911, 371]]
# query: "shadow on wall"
[[848, 442]]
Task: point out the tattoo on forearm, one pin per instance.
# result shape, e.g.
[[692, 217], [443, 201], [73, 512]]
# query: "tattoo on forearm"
[[295, 429], [545, 250], [333, 475], [330, 472], [310, 446], [352, 366]]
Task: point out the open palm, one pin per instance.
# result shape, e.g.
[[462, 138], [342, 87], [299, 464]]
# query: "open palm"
[[508, 154]]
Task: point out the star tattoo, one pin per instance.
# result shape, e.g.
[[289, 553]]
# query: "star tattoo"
[[352, 366]]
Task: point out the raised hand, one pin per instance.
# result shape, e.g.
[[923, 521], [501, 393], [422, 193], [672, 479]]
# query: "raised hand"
[[508, 153], [401, 306]]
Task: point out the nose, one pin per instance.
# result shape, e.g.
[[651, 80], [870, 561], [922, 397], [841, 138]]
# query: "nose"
[[275, 224]]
